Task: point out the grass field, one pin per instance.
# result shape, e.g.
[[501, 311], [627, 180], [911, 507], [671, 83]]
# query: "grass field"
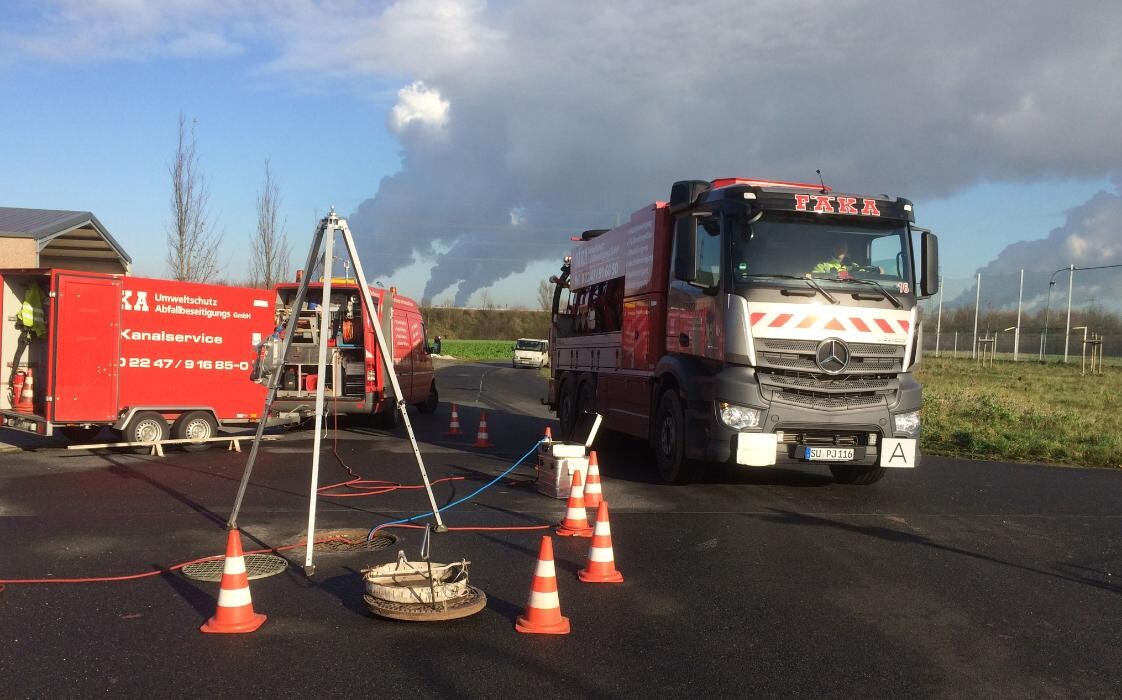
[[1017, 411], [1021, 411], [477, 349]]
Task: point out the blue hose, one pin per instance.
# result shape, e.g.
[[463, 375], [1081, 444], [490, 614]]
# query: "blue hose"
[[473, 494]]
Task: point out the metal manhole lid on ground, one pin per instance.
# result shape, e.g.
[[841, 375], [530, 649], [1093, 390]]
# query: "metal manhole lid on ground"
[[256, 566], [348, 540]]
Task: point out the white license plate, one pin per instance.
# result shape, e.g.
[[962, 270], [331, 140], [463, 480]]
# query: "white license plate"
[[829, 454]]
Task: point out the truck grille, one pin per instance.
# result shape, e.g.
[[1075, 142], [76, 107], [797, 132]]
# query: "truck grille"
[[788, 372], [830, 401]]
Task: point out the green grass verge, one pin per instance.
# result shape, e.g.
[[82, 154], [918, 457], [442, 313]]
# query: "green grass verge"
[[477, 349], [1021, 411]]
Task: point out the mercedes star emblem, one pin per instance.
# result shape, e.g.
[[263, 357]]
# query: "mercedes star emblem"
[[832, 356]]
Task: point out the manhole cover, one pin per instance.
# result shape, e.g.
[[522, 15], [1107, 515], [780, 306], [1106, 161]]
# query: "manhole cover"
[[256, 566], [348, 540], [469, 604]]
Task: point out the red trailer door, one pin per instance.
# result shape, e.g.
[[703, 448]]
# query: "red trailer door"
[[86, 338]]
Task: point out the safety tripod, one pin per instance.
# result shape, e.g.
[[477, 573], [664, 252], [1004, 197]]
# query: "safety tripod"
[[324, 238]]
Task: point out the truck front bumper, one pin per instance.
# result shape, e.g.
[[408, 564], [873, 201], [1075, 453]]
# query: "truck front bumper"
[[786, 430]]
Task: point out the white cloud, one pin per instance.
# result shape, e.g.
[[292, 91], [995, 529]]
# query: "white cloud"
[[420, 105]]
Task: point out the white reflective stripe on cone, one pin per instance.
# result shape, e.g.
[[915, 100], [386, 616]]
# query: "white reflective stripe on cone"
[[603, 528], [236, 598], [234, 565], [545, 569], [600, 554], [544, 601]]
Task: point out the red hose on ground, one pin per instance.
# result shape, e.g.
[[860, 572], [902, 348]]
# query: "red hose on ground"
[[356, 482]]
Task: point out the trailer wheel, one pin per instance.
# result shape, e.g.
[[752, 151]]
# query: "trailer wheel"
[[146, 426], [669, 441], [195, 425], [860, 476], [567, 407]]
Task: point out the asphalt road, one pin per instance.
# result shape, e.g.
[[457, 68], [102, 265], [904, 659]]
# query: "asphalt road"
[[958, 579]]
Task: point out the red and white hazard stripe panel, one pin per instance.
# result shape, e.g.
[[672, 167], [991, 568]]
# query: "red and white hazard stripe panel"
[[817, 321]]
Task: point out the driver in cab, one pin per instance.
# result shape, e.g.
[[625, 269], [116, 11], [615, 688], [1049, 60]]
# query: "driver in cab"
[[840, 263]]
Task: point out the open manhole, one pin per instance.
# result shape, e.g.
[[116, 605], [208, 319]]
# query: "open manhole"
[[349, 540], [256, 566]]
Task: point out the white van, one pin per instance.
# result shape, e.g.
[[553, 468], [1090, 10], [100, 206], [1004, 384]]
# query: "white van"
[[530, 352]]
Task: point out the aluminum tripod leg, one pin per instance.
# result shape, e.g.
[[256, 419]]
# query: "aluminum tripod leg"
[[387, 362], [271, 394], [324, 332]]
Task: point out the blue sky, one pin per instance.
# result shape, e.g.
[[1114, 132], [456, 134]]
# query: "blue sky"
[[543, 120]]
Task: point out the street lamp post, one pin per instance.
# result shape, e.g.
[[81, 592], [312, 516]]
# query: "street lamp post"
[[1048, 313], [1070, 269]]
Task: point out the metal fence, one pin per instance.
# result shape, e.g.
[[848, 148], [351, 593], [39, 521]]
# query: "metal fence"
[[1027, 314], [1029, 347]]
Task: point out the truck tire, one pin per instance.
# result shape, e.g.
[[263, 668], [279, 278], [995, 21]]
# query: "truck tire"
[[586, 398], [146, 426], [195, 425], [669, 443], [567, 407], [386, 419], [431, 401], [860, 476]]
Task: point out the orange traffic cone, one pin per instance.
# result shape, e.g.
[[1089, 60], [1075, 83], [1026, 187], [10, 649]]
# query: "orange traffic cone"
[[548, 435], [543, 610], [575, 523], [235, 609], [482, 439], [593, 494], [454, 424], [601, 559], [27, 394]]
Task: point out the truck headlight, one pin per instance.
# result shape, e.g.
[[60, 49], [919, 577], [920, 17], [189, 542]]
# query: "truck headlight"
[[738, 417], [907, 423]]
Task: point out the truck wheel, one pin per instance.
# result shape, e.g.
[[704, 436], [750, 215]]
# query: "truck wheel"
[[669, 441], [196, 425], [586, 399], [567, 408], [80, 433], [861, 476], [431, 401], [146, 426], [385, 420]]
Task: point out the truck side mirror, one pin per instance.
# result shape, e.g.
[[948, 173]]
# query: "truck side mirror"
[[929, 284], [685, 249]]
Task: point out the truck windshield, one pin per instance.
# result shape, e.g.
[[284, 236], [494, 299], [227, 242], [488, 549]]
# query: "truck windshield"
[[780, 246]]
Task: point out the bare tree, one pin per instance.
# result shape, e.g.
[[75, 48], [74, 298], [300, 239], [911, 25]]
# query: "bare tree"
[[486, 301], [270, 253], [192, 243], [545, 295]]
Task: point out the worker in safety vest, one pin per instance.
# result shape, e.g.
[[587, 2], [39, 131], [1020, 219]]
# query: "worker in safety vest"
[[31, 312], [839, 262]]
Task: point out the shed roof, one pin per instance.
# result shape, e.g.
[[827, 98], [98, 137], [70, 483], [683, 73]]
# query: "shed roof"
[[44, 225]]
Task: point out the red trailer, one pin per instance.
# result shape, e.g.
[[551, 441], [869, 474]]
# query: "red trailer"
[[156, 358], [130, 353]]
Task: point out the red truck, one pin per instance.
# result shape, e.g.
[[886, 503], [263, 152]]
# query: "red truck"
[[750, 323], [154, 359]]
